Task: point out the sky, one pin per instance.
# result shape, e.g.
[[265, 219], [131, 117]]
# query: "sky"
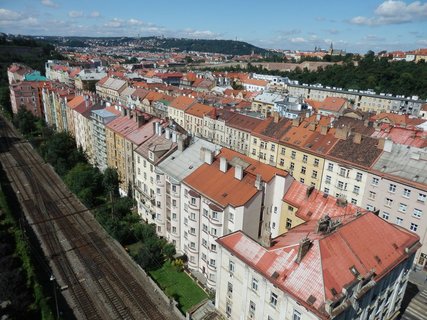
[[354, 26]]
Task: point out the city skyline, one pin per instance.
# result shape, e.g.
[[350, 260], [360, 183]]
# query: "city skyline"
[[355, 27]]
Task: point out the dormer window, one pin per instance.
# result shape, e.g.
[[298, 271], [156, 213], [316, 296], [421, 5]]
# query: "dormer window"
[[151, 155]]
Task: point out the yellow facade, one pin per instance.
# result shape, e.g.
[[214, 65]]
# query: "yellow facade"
[[263, 150], [288, 218], [116, 155], [304, 167]]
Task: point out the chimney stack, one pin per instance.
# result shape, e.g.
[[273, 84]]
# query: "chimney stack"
[[342, 132], [304, 247], [258, 182], [167, 133], [323, 130], [238, 172], [357, 138], [140, 120], [296, 122], [181, 144], [223, 165], [208, 156], [276, 117]]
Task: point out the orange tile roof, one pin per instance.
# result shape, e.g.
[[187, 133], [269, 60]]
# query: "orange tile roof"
[[223, 188], [199, 110], [364, 242], [182, 102], [333, 104], [313, 204], [255, 82], [272, 131], [76, 102]]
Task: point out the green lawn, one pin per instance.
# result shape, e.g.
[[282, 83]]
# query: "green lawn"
[[179, 286]]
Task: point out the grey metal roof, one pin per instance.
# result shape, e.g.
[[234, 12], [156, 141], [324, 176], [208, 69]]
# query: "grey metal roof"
[[405, 162], [104, 113], [180, 164]]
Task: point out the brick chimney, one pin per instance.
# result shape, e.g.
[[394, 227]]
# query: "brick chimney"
[[342, 132], [357, 138], [304, 247]]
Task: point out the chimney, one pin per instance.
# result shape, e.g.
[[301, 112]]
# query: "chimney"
[[223, 165], [388, 145], [173, 136], [123, 112], [208, 156], [154, 127], [276, 117], [181, 144], [318, 116], [258, 182], [238, 172], [309, 191], [266, 237], [323, 130], [167, 133], [357, 138], [86, 101], [140, 120], [202, 154], [304, 246], [160, 128], [341, 133], [296, 122], [311, 126]]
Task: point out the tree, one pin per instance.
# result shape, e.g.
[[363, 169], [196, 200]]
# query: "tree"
[[169, 251], [25, 121], [85, 181], [110, 182]]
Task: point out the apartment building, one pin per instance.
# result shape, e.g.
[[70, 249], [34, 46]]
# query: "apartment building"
[[148, 156], [110, 88], [16, 72], [177, 107], [27, 95], [363, 100], [228, 192], [265, 102], [194, 118], [100, 118], [55, 98], [254, 85], [347, 165], [264, 142], [298, 275], [169, 175], [396, 188]]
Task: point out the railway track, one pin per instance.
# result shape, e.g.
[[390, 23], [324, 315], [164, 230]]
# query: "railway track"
[[97, 281]]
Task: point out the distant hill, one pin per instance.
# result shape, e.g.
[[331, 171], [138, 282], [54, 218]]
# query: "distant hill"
[[215, 46], [163, 44]]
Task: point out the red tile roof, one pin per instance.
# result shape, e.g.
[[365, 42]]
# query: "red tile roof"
[[199, 110], [364, 242], [182, 102], [222, 187]]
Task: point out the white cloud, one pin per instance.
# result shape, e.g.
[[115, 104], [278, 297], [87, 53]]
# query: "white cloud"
[[9, 15], [422, 42], [49, 3], [75, 14], [114, 23], [298, 40], [394, 12], [95, 14], [199, 34]]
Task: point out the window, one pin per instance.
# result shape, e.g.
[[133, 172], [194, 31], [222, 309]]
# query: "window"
[[292, 166], [174, 230], [271, 158], [173, 203], [372, 195], [173, 188], [228, 308], [255, 141], [314, 174], [330, 167], [283, 151], [296, 315], [413, 227], [406, 192], [205, 227], [343, 172], [388, 202], [328, 179], [392, 187], [326, 190], [282, 162], [192, 245], [205, 212], [375, 181], [192, 230], [174, 216], [251, 307], [386, 215], [303, 169], [193, 200], [316, 162], [358, 176], [231, 266], [417, 213], [204, 243], [214, 215], [288, 223], [273, 146], [356, 189], [230, 288], [370, 207], [253, 151], [273, 299], [341, 185], [304, 158], [193, 216], [353, 201], [422, 197], [402, 207], [290, 208], [301, 180], [399, 221], [204, 256], [293, 154], [212, 262], [254, 284], [213, 231], [262, 145], [231, 217]]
